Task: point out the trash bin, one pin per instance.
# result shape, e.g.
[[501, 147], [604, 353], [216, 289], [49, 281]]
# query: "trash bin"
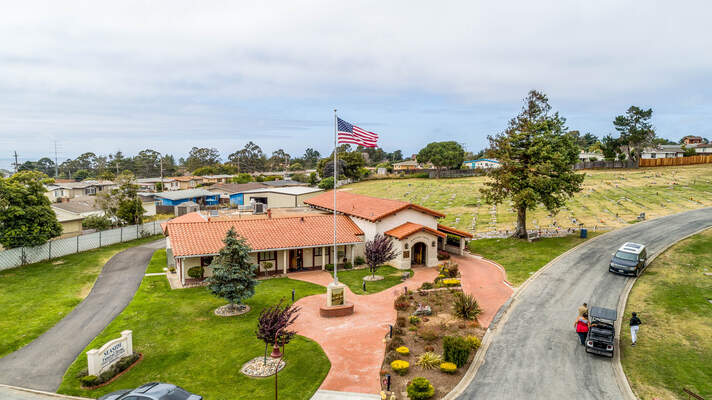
[[584, 233]]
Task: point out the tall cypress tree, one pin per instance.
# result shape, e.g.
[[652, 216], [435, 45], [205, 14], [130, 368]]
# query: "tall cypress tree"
[[537, 159], [234, 278]]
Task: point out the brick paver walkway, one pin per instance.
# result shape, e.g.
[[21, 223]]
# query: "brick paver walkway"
[[355, 344]]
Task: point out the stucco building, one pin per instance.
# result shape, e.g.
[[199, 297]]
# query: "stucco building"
[[285, 243]]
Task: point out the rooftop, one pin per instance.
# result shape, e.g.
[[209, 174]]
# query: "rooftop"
[[291, 190], [409, 228], [154, 180], [366, 207], [82, 184], [80, 204], [235, 187], [184, 194], [283, 182], [630, 247], [206, 238]]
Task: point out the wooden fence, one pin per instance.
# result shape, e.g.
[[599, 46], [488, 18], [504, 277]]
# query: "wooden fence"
[[669, 162]]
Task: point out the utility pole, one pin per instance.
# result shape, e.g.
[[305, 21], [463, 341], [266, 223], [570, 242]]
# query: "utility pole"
[[162, 188], [16, 164], [56, 166]]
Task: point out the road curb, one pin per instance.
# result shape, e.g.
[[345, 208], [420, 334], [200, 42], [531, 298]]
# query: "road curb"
[[49, 394], [501, 317], [621, 378]]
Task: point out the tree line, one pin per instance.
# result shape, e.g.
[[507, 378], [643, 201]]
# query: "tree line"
[[200, 161]]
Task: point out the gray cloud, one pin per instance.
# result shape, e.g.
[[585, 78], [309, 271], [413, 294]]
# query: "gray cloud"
[[118, 73]]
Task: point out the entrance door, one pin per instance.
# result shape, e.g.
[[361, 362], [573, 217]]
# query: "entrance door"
[[418, 254], [296, 260]]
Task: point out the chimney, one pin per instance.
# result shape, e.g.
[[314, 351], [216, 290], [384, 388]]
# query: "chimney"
[[269, 213]]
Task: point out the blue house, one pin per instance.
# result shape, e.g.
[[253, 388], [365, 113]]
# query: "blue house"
[[234, 191], [176, 197]]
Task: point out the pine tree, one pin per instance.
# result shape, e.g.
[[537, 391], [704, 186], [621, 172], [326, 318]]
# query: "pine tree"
[[234, 278], [537, 157]]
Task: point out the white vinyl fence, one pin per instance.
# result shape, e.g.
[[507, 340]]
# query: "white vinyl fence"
[[18, 256]]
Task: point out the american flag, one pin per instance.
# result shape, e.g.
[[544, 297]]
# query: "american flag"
[[348, 133]]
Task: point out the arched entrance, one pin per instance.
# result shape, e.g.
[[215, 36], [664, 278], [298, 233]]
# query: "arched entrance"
[[419, 250]]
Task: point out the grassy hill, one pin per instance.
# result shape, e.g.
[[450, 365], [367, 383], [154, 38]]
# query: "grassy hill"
[[609, 199]]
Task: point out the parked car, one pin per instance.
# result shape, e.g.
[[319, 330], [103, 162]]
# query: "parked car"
[[601, 334], [152, 391], [629, 259]]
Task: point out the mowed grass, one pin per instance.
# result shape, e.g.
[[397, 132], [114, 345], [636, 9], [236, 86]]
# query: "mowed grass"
[[674, 349], [521, 258], [35, 297], [609, 199], [354, 279], [158, 262], [183, 342]]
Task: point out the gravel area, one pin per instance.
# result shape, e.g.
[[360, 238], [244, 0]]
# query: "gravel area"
[[257, 367]]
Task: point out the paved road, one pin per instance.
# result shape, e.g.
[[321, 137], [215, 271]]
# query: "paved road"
[[536, 353], [41, 364], [9, 393]]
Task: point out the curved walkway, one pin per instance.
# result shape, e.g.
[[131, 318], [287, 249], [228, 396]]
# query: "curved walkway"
[[355, 344], [42, 363], [535, 353]]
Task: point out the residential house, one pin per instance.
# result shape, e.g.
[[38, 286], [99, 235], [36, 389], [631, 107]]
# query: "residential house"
[[188, 182], [87, 206], [289, 243], [590, 156], [200, 196], [692, 140], [407, 165], [233, 193], [663, 151], [217, 178], [152, 184], [71, 222], [63, 191], [281, 197], [482, 163], [703, 149]]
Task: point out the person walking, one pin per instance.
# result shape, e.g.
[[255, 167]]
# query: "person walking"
[[582, 309], [634, 326], [581, 326]]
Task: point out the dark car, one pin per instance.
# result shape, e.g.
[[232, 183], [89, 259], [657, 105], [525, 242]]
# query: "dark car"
[[601, 334], [152, 391], [629, 259]]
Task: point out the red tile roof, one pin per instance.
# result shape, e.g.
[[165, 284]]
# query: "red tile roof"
[[454, 231], [192, 239], [366, 207], [409, 228], [189, 217]]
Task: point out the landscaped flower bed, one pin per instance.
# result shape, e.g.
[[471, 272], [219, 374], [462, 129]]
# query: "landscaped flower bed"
[[442, 361]]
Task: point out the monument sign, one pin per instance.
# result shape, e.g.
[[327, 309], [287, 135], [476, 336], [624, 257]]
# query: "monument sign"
[[101, 359]]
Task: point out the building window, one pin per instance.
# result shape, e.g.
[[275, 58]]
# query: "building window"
[[267, 256], [652, 155], [90, 190], [317, 251], [206, 261], [406, 254]]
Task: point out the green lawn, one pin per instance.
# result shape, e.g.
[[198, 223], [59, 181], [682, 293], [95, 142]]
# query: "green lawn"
[[158, 262], [521, 258], [36, 296], [354, 279], [610, 198], [674, 348], [184, 343]]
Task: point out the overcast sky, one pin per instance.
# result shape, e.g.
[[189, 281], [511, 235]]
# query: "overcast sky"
[[105, 76]]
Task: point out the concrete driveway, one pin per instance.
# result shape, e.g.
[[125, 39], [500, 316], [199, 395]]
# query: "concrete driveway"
[[535, 353], [41, 364]]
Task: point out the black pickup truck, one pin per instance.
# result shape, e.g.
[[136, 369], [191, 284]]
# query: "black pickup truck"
[[601, 335]]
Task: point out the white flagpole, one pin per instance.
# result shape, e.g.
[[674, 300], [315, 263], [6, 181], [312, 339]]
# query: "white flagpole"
[[336, 179]]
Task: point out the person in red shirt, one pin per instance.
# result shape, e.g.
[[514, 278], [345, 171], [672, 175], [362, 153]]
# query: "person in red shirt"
[[582, 323]]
